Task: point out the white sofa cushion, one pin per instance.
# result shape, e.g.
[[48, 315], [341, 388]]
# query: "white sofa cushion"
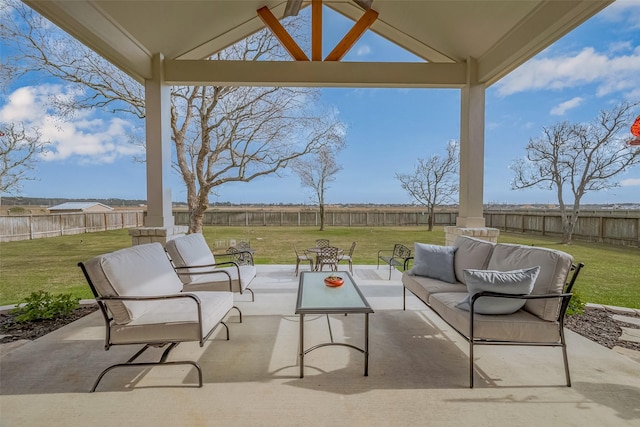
[[142, 270], [554, 270], [516, 282], [423, 287], [433, 261], [472, 253]]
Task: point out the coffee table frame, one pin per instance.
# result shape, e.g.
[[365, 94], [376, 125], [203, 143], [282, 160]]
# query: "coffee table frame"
[[327, 300]]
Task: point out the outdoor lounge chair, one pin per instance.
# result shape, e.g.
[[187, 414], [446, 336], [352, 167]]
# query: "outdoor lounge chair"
[[142, 302], [197, 267]]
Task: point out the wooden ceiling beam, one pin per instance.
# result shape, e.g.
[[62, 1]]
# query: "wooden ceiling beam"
[[316, 30], [353, 35], [281, 34]]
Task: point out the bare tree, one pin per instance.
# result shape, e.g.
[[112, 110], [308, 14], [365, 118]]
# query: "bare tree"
[[221, 134], [235, 134], [434, 180], [18, 151], [316, 172], [578, 158]]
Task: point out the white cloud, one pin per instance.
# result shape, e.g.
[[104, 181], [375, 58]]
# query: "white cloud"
[[363, 50], [625, 12], [611, 73], [563, 107], [87, 137], [630, 182]]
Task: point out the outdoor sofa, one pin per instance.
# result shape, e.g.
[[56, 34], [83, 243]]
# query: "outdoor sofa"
[[495, 293]]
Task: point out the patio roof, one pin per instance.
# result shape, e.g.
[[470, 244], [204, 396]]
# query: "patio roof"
[[500, 35]]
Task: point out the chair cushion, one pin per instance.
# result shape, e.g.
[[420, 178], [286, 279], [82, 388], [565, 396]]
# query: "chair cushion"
[[142, 270], [518, 282], [434, 261], [472, 253], [175, 319], [554, 269], [191, 249]]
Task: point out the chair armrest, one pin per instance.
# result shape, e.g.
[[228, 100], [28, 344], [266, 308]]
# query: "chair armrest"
[[212, 270], [161, 298], [381, 251], [149, 297]]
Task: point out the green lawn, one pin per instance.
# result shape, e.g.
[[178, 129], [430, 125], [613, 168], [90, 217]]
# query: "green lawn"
[[611, 275]]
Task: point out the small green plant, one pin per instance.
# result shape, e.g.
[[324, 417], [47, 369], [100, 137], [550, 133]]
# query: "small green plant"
[[576, 305], [42, 305]]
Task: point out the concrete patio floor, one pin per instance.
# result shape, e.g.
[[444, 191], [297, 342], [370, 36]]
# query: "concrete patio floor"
[[418, 373]]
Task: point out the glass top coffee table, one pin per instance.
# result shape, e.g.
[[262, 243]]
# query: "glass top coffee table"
[[314, 297]]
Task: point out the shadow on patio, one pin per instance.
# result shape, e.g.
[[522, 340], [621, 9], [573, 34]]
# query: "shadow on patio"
[[417, 373]]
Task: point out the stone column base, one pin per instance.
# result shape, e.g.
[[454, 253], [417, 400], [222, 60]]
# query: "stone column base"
[[484, 233], [143, 235]]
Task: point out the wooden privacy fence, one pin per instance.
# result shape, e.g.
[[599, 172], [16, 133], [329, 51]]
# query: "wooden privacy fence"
[[610, 226], [341, 218], [40, 226]]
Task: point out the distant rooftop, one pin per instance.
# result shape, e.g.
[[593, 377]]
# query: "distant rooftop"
[[79, 206]]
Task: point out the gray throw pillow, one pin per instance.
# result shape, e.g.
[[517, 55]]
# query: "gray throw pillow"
[[516, 282], [434, 261]]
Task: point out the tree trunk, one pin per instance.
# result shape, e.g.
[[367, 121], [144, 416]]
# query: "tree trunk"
[[196, 214], [430, 220], [321, 216]]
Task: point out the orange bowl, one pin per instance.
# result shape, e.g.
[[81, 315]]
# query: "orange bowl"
[[333, 281]]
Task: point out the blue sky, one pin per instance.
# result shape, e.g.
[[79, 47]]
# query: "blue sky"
[[592, 68]]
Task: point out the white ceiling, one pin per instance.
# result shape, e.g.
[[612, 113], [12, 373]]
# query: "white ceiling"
[[500, 35]]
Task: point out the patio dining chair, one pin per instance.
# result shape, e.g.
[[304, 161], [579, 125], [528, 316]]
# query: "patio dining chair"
[[322, 243], [242, 253], [300, 257], [328, 256], [348, 257]]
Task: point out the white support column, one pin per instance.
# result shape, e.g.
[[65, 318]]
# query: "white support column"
[[471, 150], [159, 223], [158, 120], [472, 107]]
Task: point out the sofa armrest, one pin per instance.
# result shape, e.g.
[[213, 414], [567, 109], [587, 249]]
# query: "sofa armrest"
[[566, 296]]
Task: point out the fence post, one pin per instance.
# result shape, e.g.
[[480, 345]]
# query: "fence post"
[[601, 229]]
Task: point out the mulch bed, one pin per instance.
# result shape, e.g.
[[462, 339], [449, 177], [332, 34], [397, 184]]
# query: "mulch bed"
[[36, 329], [595, 324], [598, 325]]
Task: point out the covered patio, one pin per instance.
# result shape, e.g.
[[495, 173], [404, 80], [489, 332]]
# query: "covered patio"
[[417, 373], [467, 45]]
